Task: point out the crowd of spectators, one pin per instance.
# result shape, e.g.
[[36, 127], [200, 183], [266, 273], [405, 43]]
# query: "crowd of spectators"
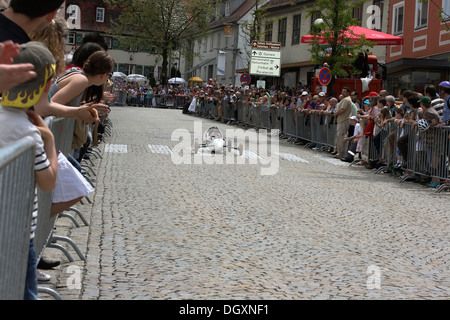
[[359, 118]]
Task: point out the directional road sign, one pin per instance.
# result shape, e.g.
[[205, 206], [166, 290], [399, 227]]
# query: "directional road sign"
[[265, 59], [265, 67], [266, 54]]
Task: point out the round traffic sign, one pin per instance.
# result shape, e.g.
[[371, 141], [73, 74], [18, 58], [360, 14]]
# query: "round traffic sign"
[[324, 76], [246, 79]]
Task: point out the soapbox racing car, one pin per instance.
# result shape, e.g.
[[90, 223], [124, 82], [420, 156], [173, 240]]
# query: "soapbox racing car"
[[214, 140]]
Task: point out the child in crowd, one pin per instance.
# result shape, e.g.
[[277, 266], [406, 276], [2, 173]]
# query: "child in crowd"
[[16, 121]]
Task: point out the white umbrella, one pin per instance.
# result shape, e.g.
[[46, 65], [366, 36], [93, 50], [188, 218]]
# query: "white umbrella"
[[139, 78], [120, 75], [176, 80]]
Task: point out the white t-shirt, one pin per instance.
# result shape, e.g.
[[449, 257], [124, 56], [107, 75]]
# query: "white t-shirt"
[[14, 125]]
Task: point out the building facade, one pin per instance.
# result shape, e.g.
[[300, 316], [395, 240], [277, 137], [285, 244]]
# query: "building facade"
[[286, 21], [224, 52], [290, 20], [424, 58], [85, 16]]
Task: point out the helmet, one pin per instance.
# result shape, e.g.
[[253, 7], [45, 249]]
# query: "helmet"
[[444, 84], [423, 125]]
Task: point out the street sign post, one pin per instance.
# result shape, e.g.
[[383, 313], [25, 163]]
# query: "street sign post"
[[265, 58]]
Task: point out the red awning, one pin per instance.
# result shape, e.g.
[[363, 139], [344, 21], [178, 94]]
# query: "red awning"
[[355, 33]]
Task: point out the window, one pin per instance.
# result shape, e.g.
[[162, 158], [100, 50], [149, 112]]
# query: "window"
[[397, 18], [100, 17], [282, 31], [358, 14], [296, 29], [268, 31], [446, 9], [421, 14], [71, 38], [227, 8], [314, 17], [379, 4]]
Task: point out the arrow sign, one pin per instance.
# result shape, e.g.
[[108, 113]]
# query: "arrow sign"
[[265, 67], [267, 54]]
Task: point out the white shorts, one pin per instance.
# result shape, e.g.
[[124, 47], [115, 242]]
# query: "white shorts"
[[70, 183]]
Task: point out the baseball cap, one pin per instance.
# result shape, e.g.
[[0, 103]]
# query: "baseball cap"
[[353, 118], [373, 94], [426, 100], [304, 93], [27, 94], [321, 94]]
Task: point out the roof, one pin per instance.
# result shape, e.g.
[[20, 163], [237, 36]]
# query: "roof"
[[277, 4], [236, 15]]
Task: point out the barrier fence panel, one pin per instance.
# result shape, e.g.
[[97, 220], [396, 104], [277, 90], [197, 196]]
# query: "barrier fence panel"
[[281, 119], [240, 113], [45, 224], [273, 114], [290, 127], [214, 112], [331, 130], [247, 113], [16, 202], [265, 120]]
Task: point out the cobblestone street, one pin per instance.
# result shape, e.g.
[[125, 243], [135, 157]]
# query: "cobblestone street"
[[316, 229]]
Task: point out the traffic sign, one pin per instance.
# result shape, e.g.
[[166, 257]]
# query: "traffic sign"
[[266, 54], [324, 76], [265, 67], [266, 45], [265, 58], [245, 79]]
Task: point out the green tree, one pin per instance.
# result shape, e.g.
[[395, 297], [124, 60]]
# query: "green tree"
[[253, 29], [339, 50], [166, 25]]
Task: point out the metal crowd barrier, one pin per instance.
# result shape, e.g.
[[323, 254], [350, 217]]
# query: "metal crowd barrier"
[[425, 155], [17, 187], [124, 98], [62, 129]]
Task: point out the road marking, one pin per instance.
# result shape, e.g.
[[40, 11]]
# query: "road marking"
[[246, 154], [291, 157], [116, 148], [333, 161], [160, 149]]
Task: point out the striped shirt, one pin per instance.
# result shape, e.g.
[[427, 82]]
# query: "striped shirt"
[[438, 105], [14, 125]]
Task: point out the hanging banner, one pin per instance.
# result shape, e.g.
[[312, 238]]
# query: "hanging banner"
[[221, 60]]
